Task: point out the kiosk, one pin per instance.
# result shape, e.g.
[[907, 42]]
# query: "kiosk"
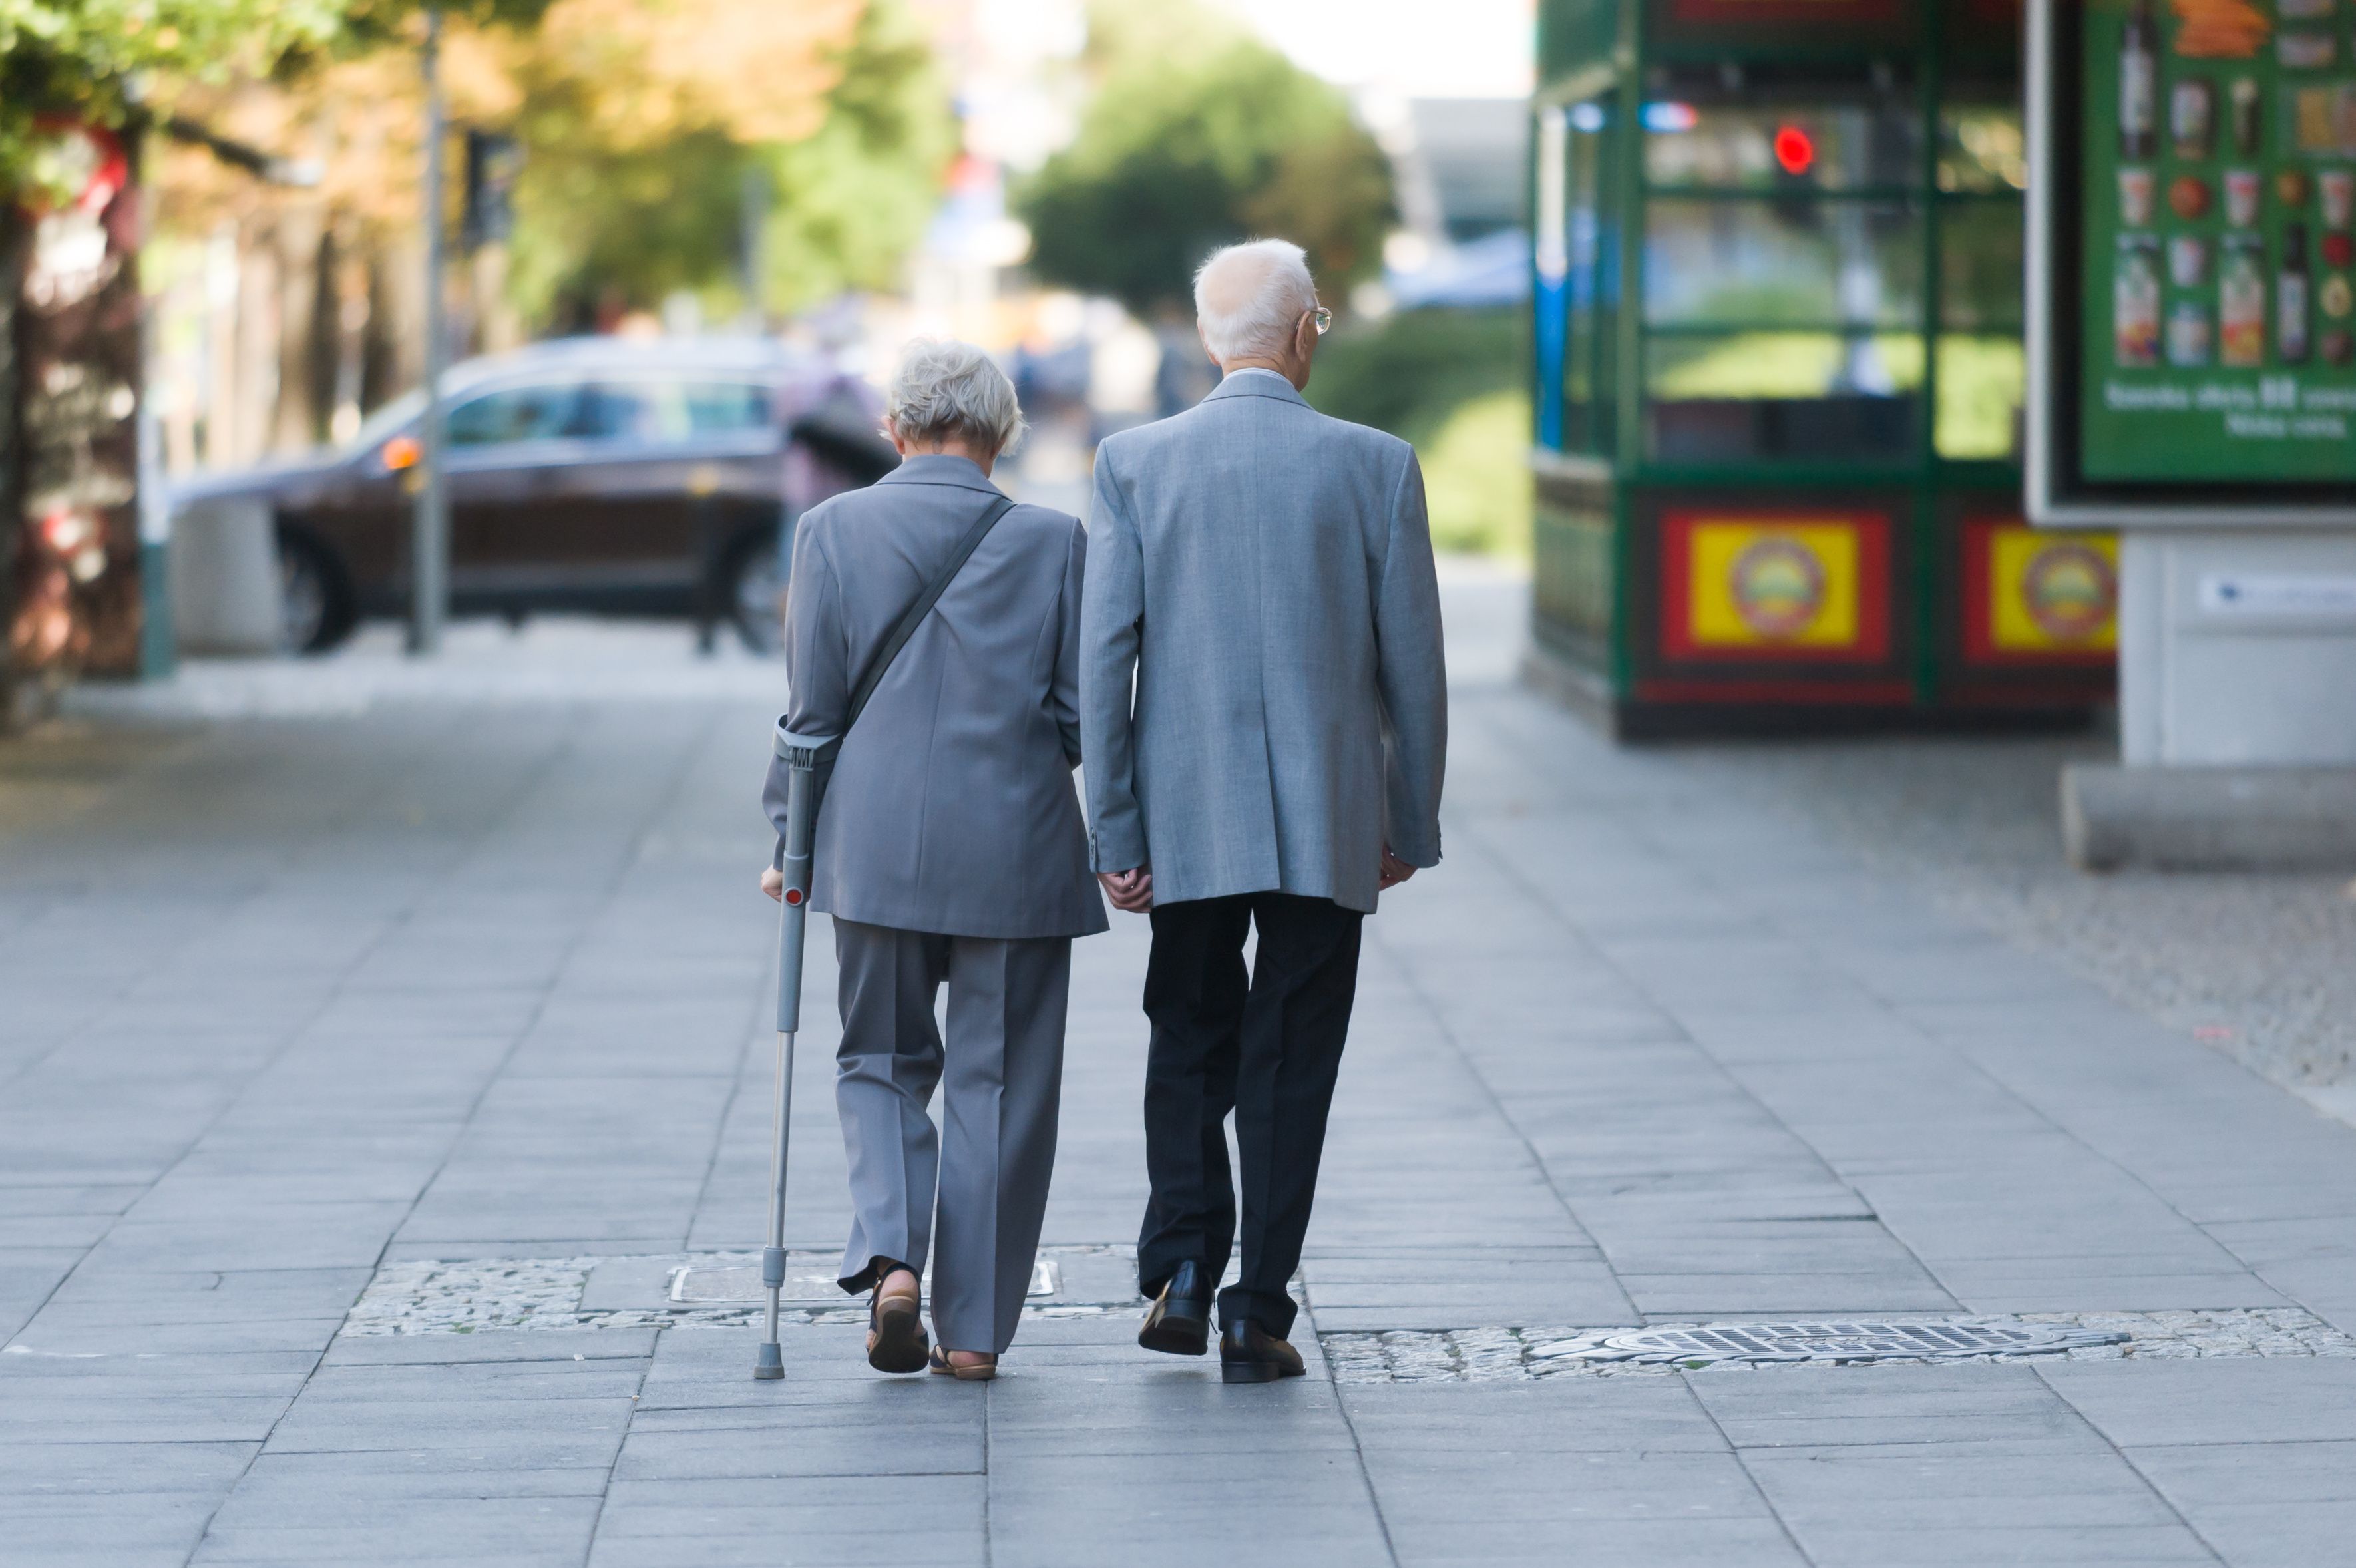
[[1777, 326], [2192, 336]]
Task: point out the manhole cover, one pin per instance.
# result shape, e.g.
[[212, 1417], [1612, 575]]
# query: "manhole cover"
[[1826, 1342]]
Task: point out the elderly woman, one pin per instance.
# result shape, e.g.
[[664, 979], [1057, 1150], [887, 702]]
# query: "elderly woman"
[[950, 849]]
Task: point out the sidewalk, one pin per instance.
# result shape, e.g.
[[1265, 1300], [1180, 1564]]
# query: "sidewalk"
[[441, 995]]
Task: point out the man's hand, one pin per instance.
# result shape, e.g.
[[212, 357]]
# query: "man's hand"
[[1394, 871], [773, 883], [1131, 892]]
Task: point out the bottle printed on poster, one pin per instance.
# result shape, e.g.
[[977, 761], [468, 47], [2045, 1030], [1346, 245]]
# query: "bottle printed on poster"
[[2242, 190], [2187, 261], [2188, 333], [2136, 188], [2135, 302], [2249, 118], [2338, 189], [2291, 297], [2139, 82], [2193, 118], [2241, 303]]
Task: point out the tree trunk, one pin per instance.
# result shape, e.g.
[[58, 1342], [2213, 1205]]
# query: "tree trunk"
[[15, 240]]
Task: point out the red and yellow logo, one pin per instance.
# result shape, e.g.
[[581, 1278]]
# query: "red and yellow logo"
[[2032, 595], [1770, 585]]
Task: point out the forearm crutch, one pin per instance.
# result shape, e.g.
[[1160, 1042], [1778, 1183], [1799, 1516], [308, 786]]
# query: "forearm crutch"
[[801, 755]]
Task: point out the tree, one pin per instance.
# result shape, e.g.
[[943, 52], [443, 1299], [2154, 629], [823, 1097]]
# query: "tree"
[[633, 181], [1194, 140]]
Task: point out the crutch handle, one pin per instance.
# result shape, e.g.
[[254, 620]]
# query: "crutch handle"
[[800, 755]]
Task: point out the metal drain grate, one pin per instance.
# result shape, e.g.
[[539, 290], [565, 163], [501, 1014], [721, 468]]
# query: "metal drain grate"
[[1837, 1342]]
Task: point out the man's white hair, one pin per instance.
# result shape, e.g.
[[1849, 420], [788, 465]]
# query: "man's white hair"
[[1249, 298], [949, 390]]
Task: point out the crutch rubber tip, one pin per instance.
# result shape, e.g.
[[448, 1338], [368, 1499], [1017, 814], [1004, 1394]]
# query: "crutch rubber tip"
[[770, 1367]]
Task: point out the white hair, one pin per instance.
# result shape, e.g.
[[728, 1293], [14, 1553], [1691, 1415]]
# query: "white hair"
[[1249, 298], [948, 390]]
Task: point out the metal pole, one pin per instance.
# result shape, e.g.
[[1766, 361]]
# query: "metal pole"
[[800, 757], [752, 221], [429, 540]]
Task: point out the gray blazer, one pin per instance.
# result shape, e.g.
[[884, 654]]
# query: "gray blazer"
[[1265, 574], [951, 808]]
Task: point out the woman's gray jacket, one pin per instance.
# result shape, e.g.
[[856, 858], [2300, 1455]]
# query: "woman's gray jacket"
[[951, 809]]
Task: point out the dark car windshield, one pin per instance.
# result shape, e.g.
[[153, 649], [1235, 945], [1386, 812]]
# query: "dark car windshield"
[[655, 409], [544, 411], [668, 410]]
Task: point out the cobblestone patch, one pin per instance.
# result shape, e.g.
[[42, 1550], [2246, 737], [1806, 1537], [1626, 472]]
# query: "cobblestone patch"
[[481, 1295], [1495, 1354]]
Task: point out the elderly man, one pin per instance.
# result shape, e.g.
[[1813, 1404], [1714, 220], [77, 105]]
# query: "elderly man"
[[949, 850], [1264, 711]]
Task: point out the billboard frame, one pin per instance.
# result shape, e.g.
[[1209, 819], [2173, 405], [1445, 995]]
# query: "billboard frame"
[[2055, 493]]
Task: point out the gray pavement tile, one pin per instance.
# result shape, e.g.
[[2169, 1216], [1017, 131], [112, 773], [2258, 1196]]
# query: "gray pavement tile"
[[551, 1434], [2278, 1535], [1810, 1407], [2053, 1546], [2211, 1401], [338, 1528], [1559, 1415], [2196, 1477], [539, 1345], [795, 1447], [1607, 1543], [1955, 1487]]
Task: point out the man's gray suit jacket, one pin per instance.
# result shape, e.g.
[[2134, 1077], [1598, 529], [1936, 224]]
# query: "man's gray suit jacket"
[[1264, 574], [951, 809]]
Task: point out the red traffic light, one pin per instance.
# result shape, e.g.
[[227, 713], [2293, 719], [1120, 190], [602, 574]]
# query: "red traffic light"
[[1795, 150]]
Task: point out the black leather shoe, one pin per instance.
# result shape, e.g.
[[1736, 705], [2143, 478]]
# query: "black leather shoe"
[[1249, 1354], [1180, 1323]]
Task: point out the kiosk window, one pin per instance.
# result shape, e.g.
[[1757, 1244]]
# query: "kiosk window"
[[1782, 261]]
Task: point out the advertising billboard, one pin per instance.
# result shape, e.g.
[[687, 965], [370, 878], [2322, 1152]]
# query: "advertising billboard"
[[2192, 321]]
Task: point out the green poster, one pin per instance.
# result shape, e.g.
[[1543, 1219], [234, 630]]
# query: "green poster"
[[2219, 303]]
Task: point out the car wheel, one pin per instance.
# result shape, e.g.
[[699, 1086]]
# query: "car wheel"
[[755, 588], [315, 597]]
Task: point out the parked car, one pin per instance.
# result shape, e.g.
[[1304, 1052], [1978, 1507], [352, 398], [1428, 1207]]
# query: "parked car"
[[602, 475]]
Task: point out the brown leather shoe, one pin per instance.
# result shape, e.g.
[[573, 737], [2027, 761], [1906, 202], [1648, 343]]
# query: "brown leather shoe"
[[1249, 1354]]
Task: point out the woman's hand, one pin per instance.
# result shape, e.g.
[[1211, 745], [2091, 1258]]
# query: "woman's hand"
[[1131, 892], [773, 883]]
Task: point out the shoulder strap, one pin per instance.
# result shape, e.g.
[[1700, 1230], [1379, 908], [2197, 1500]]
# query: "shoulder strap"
[[923, 606]]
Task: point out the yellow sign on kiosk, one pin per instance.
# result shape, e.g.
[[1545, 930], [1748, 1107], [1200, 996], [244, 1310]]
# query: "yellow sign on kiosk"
[[1742, 586]]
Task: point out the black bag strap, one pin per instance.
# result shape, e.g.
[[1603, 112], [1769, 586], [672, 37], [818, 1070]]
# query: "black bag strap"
[[923, 606]]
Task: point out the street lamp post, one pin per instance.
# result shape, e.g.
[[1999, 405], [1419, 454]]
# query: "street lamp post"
[[429, 557]]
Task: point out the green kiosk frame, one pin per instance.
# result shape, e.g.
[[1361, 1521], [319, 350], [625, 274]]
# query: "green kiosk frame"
[[1777, 323]]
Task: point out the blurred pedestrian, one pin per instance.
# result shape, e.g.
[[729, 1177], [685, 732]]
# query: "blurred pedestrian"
[[1264, 709], [949, 850]]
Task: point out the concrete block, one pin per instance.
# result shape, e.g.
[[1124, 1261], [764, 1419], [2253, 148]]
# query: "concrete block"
[[225, 594], [2209, 819]]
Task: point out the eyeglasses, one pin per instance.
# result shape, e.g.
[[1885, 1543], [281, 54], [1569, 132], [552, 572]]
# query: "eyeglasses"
[[1324, 320]]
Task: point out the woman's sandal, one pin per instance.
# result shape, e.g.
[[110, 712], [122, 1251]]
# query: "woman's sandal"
[[895, 1329], [979, 1371]]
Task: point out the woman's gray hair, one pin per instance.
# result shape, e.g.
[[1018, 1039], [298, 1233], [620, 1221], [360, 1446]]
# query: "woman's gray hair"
[[946, 390], [1249, 298]]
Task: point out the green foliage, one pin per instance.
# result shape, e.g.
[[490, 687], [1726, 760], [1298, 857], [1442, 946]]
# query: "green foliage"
[[1454, 382], [86, 59], [1476, 477], [639, 223], [1194, 141], [73, 58], [853, 199], [1407, 373]]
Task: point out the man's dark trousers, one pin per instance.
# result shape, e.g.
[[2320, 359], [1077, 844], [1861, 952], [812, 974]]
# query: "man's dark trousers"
[[1267, 1046]]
